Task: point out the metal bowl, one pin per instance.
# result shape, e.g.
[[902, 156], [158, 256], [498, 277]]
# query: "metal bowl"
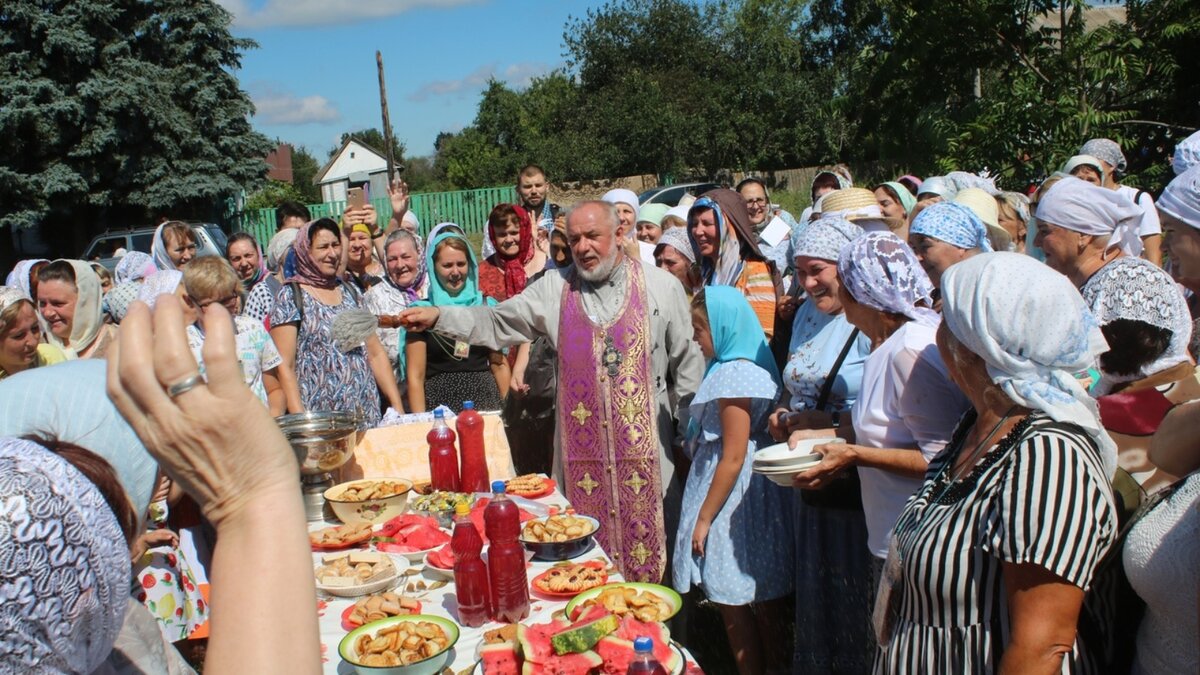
[[323, 440]]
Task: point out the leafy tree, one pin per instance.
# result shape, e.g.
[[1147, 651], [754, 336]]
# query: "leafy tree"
[[304, 170], [275, 191], [118, 109]]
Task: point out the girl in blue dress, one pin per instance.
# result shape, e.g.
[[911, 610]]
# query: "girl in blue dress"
[[735, 539]]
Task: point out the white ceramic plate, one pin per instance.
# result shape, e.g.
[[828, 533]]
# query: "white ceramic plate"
[[781, 455], [399, 563]]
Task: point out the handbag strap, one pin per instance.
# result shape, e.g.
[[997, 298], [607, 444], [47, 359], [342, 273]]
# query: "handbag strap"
[[827, 387]]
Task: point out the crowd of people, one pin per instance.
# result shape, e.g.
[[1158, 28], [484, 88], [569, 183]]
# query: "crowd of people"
[[1002, 389]]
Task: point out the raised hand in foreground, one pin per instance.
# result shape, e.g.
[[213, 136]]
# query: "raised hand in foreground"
[[219, 442]]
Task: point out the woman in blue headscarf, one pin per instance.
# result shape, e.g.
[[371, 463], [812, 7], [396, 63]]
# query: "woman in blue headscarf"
[[442, 371], [735, 528]]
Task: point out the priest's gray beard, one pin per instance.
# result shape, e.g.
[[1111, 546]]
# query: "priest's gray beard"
[[603, 269]]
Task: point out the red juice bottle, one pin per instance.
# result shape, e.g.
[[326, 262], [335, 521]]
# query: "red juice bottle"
[[644, 662], [506, 558], [443, 458], [470, 447], [470, 573]]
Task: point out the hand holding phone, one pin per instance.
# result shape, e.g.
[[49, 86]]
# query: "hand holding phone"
[[355, 198]]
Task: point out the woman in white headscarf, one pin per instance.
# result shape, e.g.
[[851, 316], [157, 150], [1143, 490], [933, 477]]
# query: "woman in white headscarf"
[[70, 304], [1082, 227], [1179, 211], [989, 562]]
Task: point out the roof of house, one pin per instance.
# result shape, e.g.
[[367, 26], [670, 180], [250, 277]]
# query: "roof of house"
[[320, 177]]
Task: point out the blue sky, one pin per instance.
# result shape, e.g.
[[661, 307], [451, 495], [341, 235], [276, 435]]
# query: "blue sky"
[[313, 75]]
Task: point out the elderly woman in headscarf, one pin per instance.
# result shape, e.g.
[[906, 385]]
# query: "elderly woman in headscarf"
[[446, 372], [69, 301], [317, 372], [727, 248], [822, 377], [174, 245], [405, 283], [21, 346], [66, 550], [986, 570], [1083, 227], [674, 254], [24, 276], [1179, 210], [907, 407], [944, 234], [626, 202]]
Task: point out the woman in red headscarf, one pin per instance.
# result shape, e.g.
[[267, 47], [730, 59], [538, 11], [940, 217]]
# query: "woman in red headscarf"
[[529, 410]]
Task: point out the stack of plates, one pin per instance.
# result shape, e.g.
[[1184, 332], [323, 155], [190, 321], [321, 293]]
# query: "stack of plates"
[[779, 462]]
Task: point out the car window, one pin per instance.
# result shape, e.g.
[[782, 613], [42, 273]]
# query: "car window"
[[105, 247], [671, 197], [142, 242], [648, 194], [218, 237]]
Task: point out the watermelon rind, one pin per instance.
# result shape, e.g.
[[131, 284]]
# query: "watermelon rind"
[[582, 663], [499, 659], [581, 637]]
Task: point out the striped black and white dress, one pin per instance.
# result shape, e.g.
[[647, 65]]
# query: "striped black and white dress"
[[1040, 496]]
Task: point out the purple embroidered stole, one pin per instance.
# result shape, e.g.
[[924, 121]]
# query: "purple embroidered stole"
[[608, 427]]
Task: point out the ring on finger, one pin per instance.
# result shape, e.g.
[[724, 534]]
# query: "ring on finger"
[[185, 385]]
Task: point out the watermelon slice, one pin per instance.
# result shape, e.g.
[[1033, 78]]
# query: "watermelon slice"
[[443, 558], [567, 664], [617, 653], [410, 533], [631, 629], [534, 640], [581, 637], [500, 659]]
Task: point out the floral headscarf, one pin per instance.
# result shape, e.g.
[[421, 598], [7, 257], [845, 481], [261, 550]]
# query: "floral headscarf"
[[64, 565], [162, 282], [1034, 332], [824, 238], [881, 271], [412, 292], [954, 224], [133, 266], [307, 272]]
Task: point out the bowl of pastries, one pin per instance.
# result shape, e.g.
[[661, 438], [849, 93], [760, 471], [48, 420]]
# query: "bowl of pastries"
[[349, 574], [419, 644], [370, 500], [559, 537]]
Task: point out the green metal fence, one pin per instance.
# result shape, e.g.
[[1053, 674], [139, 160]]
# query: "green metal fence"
[[468, 208]]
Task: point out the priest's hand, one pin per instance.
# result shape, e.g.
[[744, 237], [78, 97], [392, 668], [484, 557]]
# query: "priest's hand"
[[419, 319]]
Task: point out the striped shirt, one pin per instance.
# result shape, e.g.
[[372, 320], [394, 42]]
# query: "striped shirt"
[[758, 285], [1040, 496]]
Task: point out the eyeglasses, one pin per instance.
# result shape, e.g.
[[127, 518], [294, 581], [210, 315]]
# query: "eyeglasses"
[[756, 202]]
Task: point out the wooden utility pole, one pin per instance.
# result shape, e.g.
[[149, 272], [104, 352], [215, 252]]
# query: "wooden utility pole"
[[387, 124]]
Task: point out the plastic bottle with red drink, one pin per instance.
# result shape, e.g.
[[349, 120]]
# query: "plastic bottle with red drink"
[[644, 662], [473, 460], [443, 457], [470, 573], [506, 558]]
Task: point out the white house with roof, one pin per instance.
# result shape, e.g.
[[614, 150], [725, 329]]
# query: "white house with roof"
[[353, 164]]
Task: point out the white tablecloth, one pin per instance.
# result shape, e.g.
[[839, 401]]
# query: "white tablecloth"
[[440, 601]]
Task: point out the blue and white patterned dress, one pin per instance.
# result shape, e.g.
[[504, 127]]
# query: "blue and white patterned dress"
[[328, 379], [748, 554]]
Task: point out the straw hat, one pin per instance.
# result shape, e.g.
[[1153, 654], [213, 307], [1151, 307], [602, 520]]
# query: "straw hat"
[[858, 204], [983, 204]]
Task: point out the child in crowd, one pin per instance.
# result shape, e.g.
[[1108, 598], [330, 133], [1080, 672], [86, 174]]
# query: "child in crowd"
[[735, 539]]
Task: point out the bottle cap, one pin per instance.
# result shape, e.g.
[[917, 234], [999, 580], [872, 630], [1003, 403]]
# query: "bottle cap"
[[498, 487], [468, 405], [462, 509], [438, 414], [643, 644]]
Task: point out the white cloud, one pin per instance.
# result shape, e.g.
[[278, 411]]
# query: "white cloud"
[[275, 13], [276, 107], [517, 75]]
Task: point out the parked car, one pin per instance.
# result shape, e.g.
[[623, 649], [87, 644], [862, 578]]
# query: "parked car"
[[671, 194], [210, 240]]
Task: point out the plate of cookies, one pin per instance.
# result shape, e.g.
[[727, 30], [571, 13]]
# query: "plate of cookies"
[[530, 486], [566, 580], [339, 536], [349, 574]]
